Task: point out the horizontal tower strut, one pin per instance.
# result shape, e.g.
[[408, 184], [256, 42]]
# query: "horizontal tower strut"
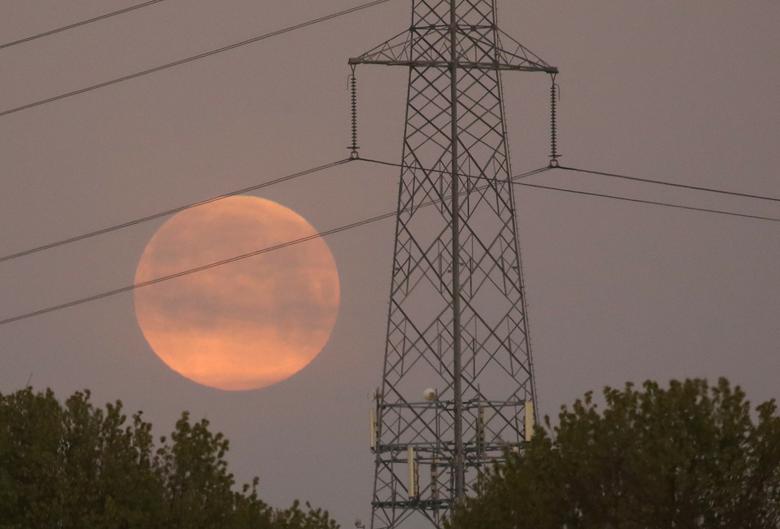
[[476, 48]]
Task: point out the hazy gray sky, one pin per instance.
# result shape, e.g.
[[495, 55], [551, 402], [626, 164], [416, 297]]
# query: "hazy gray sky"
[[684, 91]]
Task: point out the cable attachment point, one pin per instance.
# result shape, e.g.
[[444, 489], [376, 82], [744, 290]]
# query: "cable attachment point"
[[353, 148], [555, 95]]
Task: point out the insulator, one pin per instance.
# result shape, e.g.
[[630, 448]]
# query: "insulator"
[[554, 155], [354, 108]]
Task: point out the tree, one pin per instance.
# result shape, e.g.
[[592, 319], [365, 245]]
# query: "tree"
[[688, 456], [76, 465]]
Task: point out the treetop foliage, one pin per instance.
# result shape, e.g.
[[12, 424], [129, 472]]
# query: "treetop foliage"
[[76, 466], [687, 456]]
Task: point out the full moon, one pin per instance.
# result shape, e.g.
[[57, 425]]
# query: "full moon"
[[244, 325]]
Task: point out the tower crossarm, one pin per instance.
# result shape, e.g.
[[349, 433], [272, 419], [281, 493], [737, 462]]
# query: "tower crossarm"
[[479, 47]]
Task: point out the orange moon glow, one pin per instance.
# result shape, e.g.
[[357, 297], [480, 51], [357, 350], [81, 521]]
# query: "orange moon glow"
[[248, 324]]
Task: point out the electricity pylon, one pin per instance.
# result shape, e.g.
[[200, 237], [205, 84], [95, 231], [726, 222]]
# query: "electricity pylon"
[[458, 385]]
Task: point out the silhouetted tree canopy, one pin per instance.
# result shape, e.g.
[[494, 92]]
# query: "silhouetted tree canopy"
[[77, 466], [688, 456]]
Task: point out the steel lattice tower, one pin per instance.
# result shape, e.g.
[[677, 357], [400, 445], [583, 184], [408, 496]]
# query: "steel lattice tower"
[[457, 320]]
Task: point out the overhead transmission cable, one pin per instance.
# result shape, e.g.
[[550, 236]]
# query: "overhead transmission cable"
[[340, 229], [594, 194], [171, 211], [167, 212], [667, 183], [79, 24], [286, 178], [650, 202], [223, 262], [209, 266], [194, 58]]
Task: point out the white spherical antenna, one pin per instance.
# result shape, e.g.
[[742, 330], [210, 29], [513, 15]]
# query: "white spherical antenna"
[[430, 395]]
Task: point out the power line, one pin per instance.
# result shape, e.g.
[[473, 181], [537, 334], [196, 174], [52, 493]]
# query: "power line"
[[167, 212], [600, 195], [195, 270], [223, 262], [286, 178], [194, 58], [346, 227], [650, 202], [671, 184], [79, 24], [256, 187]]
